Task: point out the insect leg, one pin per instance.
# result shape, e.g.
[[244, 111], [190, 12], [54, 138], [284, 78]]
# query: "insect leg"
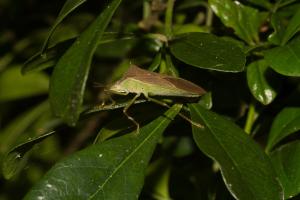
[[128, 116], [107, 94], [180, 114]]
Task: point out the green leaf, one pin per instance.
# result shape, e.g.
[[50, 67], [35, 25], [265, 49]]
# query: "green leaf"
[[121, 125], [169, 66], [48, 59], [258, 82], [206, 101], [69, 6], [159, 171], [292, 28], [14, 86], [70, 74], [208, 51], [119, 70], [286, 59], [187, 28], [17, 158], [286, 161], [13, 131], [185, 147], [277, 24], [263, 3], [281, 20], [51, 56], [283, 3], [155, 63], [116, 49], [244, 166], [113, 128], [99, 108], [245, 20], [285, 123], [114, 169]]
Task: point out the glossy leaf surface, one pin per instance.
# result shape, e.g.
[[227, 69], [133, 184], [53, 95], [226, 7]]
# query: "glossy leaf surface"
[[285, 123], [286, 161], [208, 51], [285, 59], [244, 166], [292, 28], [70, 74], [279, 29], [14, 130], [52, 54], [206, 101], [114, 169], [243, 19], [68, 7], [259, 85], [48, 59], [277, 23], [16, 159]]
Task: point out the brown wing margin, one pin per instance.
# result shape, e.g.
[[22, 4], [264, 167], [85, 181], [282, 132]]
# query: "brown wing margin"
[[152, 77], [134, 70], [185, 85]]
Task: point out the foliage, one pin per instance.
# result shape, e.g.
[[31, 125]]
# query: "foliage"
[[58, 142]]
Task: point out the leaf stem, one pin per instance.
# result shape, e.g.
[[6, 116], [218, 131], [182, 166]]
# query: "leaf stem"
[[251, 116], [169, 18], [161, 188], [146, 10], [209, 16]]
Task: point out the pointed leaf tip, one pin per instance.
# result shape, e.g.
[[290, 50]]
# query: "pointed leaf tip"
[[245, 168], [114, 169], [69, 77]]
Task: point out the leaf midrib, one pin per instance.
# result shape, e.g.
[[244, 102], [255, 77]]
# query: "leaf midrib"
[[232, 160], [127, 158], [275, 140]]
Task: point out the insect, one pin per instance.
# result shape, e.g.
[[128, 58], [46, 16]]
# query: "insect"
[[142, 82]]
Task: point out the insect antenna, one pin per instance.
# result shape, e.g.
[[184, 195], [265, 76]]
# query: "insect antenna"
[[105, 95], [99, 85]]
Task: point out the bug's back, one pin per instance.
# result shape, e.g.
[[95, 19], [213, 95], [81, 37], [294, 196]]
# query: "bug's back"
[[137, 80]]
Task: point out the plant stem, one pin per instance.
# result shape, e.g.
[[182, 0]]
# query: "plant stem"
[[161, 188], [146, 9], [169, 18], [251, 116], [209, 16]]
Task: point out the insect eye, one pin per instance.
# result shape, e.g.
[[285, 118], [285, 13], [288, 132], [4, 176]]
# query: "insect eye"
[[123, 91]]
